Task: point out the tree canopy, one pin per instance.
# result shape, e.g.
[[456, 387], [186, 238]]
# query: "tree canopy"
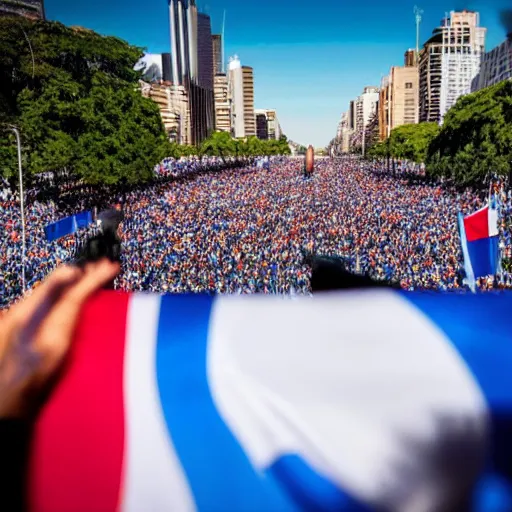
[[222, 145], [408, 142], [74, 96], [476, 138]]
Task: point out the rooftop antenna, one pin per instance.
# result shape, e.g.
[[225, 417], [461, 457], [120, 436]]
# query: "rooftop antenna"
[[418, 15], [223, 42]]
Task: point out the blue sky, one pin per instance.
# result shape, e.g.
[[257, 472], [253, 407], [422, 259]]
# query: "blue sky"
[[310, 58]]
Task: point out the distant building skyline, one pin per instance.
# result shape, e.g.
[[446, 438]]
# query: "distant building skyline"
[[192, 63], [348, 50]]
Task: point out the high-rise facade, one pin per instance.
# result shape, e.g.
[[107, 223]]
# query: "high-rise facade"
[[205, 65], [236, 93], [344, 133], [217, 54], [192, 63], [366, 106], [272, 125], [248, 84], [222, 104], [496, 66], [261, 125], [33, 9], [449, 62], [173, 102], [399, 98]]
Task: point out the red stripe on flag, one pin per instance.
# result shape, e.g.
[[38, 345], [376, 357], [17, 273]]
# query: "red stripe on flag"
[[78, 445], [477, 225]]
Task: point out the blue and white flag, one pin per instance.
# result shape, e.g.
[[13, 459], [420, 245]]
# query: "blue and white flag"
[[357, 401]]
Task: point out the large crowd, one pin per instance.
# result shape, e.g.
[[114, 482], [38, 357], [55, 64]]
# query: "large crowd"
[[247, 229]]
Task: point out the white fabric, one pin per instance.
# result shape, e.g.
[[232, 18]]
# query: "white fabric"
[[492, 219], [154, 480], [365, 388]]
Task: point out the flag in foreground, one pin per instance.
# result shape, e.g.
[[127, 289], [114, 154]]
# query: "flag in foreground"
[[480, 244], [367, 400]]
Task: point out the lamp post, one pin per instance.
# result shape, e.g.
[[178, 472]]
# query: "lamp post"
[[22, 206]]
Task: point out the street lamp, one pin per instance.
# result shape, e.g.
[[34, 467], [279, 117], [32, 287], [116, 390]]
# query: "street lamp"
[[22, 205]]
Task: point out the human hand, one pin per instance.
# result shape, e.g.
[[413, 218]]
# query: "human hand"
[[36, 334]]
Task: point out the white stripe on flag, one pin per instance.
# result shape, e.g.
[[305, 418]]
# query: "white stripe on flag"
[[154, 479], [363, 386], [492, 218]]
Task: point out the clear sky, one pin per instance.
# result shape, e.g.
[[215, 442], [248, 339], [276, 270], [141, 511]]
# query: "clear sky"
[[310, 58]]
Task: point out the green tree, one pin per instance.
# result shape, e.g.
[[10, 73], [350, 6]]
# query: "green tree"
[[77, 103], [476, 138], [408, 142]]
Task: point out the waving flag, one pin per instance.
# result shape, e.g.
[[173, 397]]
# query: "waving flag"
[[67, 226], [374, 400], [480, 244]]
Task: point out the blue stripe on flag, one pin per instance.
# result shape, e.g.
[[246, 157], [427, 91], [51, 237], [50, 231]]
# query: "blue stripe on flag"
[[478, 327], [484, 256], [310, 490], [202, 440]]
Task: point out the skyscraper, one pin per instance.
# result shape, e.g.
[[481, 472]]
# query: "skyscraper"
[[217, 53], [33, 9], [399, 97], [449, 62], [192, 63], [496, 66], [204, 52], [261, 125], [222, 103], [248, 84], [236, 93]]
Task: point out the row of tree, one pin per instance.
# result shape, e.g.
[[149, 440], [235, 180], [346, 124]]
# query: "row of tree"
[[74, 95], [473, 144]]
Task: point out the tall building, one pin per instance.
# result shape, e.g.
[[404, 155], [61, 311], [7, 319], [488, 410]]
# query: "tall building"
[[399, 97], [273, 128], [365, 107], [449, 62], [345, 132], [241, 92], [33, 9], [223, 114], [217, 54], [173, 102], [496, 66], [166, 67], [410, 58], [352, 115], [261, 125], [236, 93], [192, 63], [205, 68], [248, 84]]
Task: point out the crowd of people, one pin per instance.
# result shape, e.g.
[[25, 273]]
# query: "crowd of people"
[[247, 229]]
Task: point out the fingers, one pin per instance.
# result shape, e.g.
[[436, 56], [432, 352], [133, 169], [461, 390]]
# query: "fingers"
[[30, 312], [57, 330]]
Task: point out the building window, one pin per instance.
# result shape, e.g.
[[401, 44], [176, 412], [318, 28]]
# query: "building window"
[[408, 85]]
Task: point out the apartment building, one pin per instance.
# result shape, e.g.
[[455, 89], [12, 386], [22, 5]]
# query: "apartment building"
[[449, 62]]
